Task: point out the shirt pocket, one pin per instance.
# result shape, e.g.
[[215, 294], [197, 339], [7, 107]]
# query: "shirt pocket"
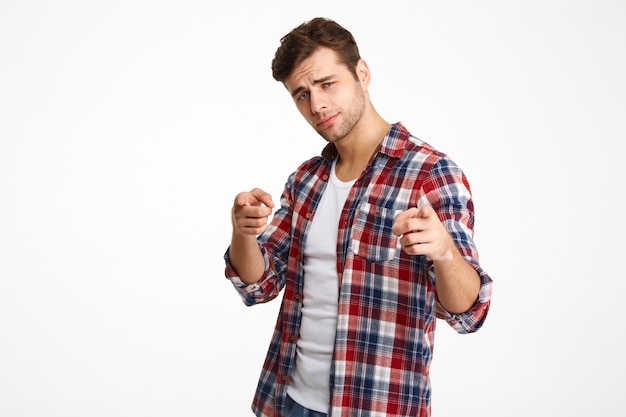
[[372, 238]]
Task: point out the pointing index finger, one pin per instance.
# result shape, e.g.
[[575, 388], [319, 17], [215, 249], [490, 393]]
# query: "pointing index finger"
[[263, 197], [407, 214]]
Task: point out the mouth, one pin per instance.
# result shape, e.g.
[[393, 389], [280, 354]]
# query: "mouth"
[[327, 121]]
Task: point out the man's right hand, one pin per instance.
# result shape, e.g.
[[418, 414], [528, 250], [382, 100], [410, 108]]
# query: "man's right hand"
[[251, 212]]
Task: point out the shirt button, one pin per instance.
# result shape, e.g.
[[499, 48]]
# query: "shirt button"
[[309, 215], [293, 337], [285, 378], [297, 296], [325, 177]]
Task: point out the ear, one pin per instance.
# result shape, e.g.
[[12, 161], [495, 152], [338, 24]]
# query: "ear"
[[363, 74]]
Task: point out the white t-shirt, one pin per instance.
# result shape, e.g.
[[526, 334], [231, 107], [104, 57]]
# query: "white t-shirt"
[[309, 385]]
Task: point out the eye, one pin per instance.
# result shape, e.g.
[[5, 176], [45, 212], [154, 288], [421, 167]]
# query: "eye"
[[303, 96], [328, 84]]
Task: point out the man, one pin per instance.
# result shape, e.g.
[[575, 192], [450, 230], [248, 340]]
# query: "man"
[[372, 242]]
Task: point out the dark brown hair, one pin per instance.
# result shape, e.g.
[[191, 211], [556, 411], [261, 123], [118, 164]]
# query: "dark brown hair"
[[301, 42]]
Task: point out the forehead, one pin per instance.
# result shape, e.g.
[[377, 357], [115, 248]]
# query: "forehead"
[[322, 63]]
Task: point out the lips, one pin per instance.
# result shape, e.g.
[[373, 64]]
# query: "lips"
[[327, 121]]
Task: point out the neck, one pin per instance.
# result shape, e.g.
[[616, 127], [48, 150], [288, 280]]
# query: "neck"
[[356, 153]]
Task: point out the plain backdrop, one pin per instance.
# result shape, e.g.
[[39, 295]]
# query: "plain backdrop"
[[128, 126]]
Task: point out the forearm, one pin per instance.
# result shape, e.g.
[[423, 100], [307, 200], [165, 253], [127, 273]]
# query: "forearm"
[[246, 258], [458, 283]]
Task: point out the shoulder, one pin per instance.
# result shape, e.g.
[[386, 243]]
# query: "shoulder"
[[418, 158], [314, 167], [402, 144]]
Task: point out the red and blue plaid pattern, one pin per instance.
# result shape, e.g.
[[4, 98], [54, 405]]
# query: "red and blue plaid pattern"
[[387, 299]]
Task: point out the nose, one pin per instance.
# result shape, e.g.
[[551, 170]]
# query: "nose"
[[318, 102]]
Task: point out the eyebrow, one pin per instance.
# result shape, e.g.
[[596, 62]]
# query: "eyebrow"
[[315, 82]]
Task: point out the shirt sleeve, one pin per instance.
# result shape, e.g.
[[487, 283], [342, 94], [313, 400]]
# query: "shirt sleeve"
[[473, 319], [274, 244], [264, 290], [447, 190]]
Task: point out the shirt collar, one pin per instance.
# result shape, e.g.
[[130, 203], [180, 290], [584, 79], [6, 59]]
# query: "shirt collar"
[[393, 143]]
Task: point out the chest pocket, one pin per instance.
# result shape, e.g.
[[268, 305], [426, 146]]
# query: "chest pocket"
[[372, 238]]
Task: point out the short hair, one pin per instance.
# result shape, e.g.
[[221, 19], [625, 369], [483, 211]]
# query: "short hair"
[[301, 42]]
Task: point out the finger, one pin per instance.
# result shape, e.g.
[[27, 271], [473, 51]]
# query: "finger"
[[425, 211], [256, 197], [253, 212], [252, 229], [263, 197], [417, 249], [409, 241], [401, 223], [252, 221], [244, 199], [406, 214]]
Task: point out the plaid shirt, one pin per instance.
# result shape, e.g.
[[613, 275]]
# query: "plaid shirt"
[[387, 299]]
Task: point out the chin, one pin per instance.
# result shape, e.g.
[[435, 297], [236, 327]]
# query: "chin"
[[328, 136]]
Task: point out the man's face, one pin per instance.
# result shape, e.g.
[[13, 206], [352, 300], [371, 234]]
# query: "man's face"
[[327, 94]]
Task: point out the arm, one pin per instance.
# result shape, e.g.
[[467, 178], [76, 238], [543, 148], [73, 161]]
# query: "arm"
[[422, 233], [250, 214]]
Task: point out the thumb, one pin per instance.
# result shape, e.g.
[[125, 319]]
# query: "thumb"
[[425, 211]]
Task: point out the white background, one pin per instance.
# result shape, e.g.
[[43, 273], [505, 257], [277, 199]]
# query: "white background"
[[127, 127]]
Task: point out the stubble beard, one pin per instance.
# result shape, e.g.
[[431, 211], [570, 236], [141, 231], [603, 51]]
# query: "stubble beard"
[[350, 117]]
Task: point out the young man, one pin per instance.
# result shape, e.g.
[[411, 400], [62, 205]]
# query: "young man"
[[371, 243]]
